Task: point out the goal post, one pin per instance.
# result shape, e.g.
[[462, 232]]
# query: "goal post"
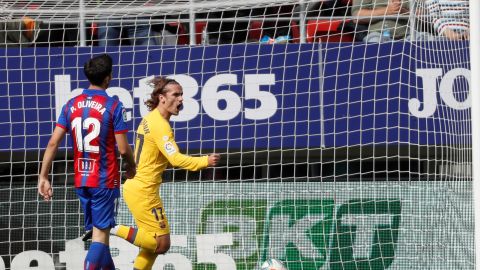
[[337, 153], [475, 84]]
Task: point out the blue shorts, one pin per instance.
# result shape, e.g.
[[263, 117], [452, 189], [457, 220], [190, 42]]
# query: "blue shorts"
[[99, 206]]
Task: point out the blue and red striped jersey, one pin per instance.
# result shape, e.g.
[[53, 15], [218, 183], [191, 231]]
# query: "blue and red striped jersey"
[[93, 118]]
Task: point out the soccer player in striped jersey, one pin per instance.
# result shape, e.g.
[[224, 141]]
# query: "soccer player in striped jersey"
[[155, 149], [95, 122]]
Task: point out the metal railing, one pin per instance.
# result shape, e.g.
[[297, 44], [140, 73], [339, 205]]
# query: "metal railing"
[[301, 20]]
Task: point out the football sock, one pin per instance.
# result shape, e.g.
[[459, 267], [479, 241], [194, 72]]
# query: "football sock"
[[144, 260], [98, 257], [107, 263], [136, 236]]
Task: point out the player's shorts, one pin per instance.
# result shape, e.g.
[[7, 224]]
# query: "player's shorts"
[[146, 207], [99, 206]]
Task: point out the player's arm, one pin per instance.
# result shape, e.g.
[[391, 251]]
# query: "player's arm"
[[169, 148], [193, 163], [120, 130], [44, 185], [127, 154], [179, 160]]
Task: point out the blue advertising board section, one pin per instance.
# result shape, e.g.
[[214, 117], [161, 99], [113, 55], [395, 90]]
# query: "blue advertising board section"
[[362, 97]]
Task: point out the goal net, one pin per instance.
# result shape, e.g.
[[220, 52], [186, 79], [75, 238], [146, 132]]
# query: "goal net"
[[344, 129]]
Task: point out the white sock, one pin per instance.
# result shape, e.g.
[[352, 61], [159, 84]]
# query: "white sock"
[[114, 230]]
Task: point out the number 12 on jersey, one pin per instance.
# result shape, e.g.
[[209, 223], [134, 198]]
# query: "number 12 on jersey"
[[84, 143]]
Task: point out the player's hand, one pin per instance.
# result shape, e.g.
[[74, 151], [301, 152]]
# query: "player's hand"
[[130, 172], [213, 159], [45, 188]]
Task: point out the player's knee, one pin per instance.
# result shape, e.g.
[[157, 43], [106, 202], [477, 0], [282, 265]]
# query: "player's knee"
[[163, 244], [163, 247], [101, 235]]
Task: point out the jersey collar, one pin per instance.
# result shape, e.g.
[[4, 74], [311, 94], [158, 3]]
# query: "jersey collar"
[[91, 92]]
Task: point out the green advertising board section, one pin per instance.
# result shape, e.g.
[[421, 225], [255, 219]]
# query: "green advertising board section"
[[308, 225]]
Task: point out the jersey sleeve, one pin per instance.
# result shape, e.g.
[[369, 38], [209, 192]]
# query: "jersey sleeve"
[[165, 142], [62, 119], [120, 119]]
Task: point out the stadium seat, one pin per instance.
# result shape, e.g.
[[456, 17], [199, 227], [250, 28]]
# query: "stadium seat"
[[183, 38], [295, 32], [327, 31], [255, 30], [93, 30], [199, 26]]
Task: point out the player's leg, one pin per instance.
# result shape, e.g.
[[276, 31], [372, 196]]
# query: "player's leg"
[[103, 207], [137, 236], [144, 260], [153, 232], [163, 243], [96, 250], [86, 207], [98, 256]]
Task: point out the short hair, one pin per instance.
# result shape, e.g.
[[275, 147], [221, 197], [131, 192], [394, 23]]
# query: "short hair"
[[158, 83], [98, 68]]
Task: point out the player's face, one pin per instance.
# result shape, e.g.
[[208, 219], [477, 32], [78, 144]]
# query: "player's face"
[[173, 99]]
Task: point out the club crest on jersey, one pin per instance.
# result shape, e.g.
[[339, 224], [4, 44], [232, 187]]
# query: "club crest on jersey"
[[124, 114], [169, 148], [162, 224]]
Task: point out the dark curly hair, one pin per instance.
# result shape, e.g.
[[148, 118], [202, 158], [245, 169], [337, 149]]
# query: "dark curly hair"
[[159, 83]]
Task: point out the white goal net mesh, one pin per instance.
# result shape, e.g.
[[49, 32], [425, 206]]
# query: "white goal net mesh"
[[343, 126]]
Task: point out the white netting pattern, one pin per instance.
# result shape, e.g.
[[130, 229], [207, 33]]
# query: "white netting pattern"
[[91, 9], [337, 153]]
